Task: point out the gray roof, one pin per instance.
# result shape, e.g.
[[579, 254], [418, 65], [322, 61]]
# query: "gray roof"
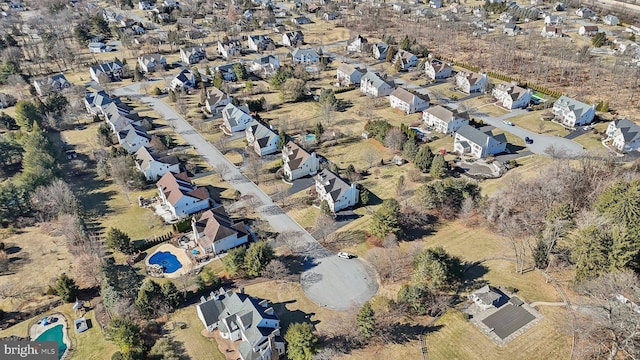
[[508, 319], [350, 69], [407, 96], [488, 294], [100, 99], [574, 105], [629, 129], [376, 79], [232, 113], [144, 156], [261, 133], [478, 137], [264, 60], [297, 52], [107, 67], [334, 185], [185, 76], [445, 114]]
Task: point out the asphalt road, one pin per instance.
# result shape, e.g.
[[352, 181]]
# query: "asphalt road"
[[329, 281]]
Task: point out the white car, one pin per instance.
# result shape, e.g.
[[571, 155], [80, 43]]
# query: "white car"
[[508, 123], [344, 255]]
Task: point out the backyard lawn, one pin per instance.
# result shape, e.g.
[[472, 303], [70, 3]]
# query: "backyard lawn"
[[197, 346]]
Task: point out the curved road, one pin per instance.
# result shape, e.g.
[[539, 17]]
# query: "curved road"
[[329, 281]]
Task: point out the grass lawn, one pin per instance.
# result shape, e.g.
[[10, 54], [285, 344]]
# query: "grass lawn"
[[531, 121], [447, 90], [529, 166], [303, 214], [197, 346]]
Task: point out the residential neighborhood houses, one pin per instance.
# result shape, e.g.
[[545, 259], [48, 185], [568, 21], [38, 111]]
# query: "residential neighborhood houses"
[[444, 120], [215, 232], [348, 75], [180, 197], [571, 113], [471, 82], [373, 84], [51, 84], [477, 143], [263, 140], [512, 96], [436, 69], [625, 135], [297, 162], [106, 72], [152, 62], [407, 101], [337, 192]]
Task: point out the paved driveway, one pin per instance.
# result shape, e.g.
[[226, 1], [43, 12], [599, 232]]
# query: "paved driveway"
[[329, 281]]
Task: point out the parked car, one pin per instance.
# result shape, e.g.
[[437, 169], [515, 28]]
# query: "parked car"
[[345, 255], [508, 123], [528, 140]]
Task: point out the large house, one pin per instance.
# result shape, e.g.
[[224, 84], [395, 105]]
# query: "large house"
[[216, 100], [152, 62], [293, 38], [227, 71], [551, 32], [185, 80], [348, 75], [192, 55], [471, 82], [215, 232], [471, 141], [263, 140], [406, 59], [407, 101], [572, 113], [585, 13], [588, 30], [372, 84], [96, 101], [106, 72], [260, 43], [338, 193], [133, 137], [154, 165], [265, 65], [436, 69], [297, 162], [553, 19], [304, 56], [444, 120], [180, 197], [611, 20], [236, 118], [229, 48], [51, 84], [625, 135], [357, 44], [119, 116], [511, 96], [245, 319], [380, 51]]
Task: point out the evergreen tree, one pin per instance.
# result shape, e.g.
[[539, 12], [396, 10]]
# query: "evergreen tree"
[[391, 53], [364, 196], [424, 159], [56, 103], [257, 257], [234, 261], [302, 343], [591, 252], [241, 72], [439, 167], [366, 320], [27, 115], [282, 139], [126, 335], [436, 269], [66, 288], [410, 150], [318, 130], [39, 167], [325, 209], [148, 299], [118, 240], [197, 78], [137, 73], [172, 96], [386, 220], [621, 203]]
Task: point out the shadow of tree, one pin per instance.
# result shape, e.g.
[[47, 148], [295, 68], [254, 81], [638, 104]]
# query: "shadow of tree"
[[471, 278]]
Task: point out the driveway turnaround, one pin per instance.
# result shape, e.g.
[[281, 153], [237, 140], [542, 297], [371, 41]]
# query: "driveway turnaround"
[[329, 281]]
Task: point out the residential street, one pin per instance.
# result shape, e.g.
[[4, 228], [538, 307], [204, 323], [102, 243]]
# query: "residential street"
[[328, 281]]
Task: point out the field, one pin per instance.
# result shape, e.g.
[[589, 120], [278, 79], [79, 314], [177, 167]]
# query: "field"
[[196, 346]]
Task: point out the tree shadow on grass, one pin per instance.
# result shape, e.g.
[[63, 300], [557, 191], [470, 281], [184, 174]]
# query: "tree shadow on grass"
[[472, 277], [402, 333], [288, 317]]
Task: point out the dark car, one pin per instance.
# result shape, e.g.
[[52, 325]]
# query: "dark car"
[[528, 140]]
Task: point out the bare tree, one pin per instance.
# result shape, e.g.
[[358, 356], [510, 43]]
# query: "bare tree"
[[371, 157], [54, 199], [222, 170], [253, 167], [395, 139], [275, 270], [324, 225]]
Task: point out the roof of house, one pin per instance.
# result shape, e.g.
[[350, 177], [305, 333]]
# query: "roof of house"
[[107, 67], [438, 65], [382, 47], [266, 60], [260, 38], [590, 28], [478, 137], [131, 131], [215, 95], [445, 114], [350, 69], [376, 79], [553, 29], [156, 58], [175, 186], [100, 98], [407, 96], [488, 294], [216, 225], [232, 113], [472, 76], [629, 130], [192, 50], [262, 134], [513, 90], [296, 155], [292, 35], [356, 38], [297, 52], [51, 80], [405, 55], [145, 156], [333, 184], [577, 107], [185, 76]]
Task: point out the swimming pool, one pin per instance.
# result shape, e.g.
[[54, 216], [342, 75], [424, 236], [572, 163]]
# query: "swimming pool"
[[310, 137], [54, 334], [167, 260]]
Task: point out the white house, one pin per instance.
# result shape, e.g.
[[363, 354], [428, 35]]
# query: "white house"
[[180, 197], [98, 47], [356, 44], [407, 60], [551, 32], [611, 20], [372, 84], [588, 30], [301, 20], [293, 38], [227, 71], [488, 297], [553, 19], [260, 43], [216, 100], [154, 165], [229, 48], [625, 135], [185, 80], [236, 118], [152, 62], [242, 318], [444, 120], [512, 30], [348, 75], [297, 162], [511, 96], [338, 193], [263, 140], [51, 84], [471, 141], [96, 101], [119, 117], [265, 65], [407, 101], [380, 51], [192, 55], [109, 71], [436, 4], [585, 13], [436, 69], [215, 232], [133, 137], [145, 5], [304, 56], [471, 82], [572, 113]]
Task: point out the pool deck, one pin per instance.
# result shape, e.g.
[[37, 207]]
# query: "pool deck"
[[182, 257], [37, 329]]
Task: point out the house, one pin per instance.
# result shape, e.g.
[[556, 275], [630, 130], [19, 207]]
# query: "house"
[[304, 56], [436, 69], [98, 47], [511, 96], [215, 232], [512, 30], [263, 140], [133, 137], [585, 13], [471, 82], [216, 100], [229, 48], [145, 5], [242, 318], [456, 8], [507, 18], [236, 118], [348, 75], [572, 113], [407, 101], [553, 19], [171, 3], [330, 16], [471, 141], [356, 44], [98, 100], [611, 20], [51, 84], [152, 62], [301, 20], [338, 193], [138, 30], [551, 32], [293, 38], [380, 51], [436, 4], [154, 165], [260, 43], [625, 135], [119, 117], [180, 197], [192, 55], [444, 120], [265, 65], [407, 60], [559, 6], [297, 162], [227, 71], [588, 30], [373, 84], [488, 297], [185, 80], [106, 72]]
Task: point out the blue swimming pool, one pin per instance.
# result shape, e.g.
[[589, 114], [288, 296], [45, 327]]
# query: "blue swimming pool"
[[54, 334], [167, 260], [310, 137]]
